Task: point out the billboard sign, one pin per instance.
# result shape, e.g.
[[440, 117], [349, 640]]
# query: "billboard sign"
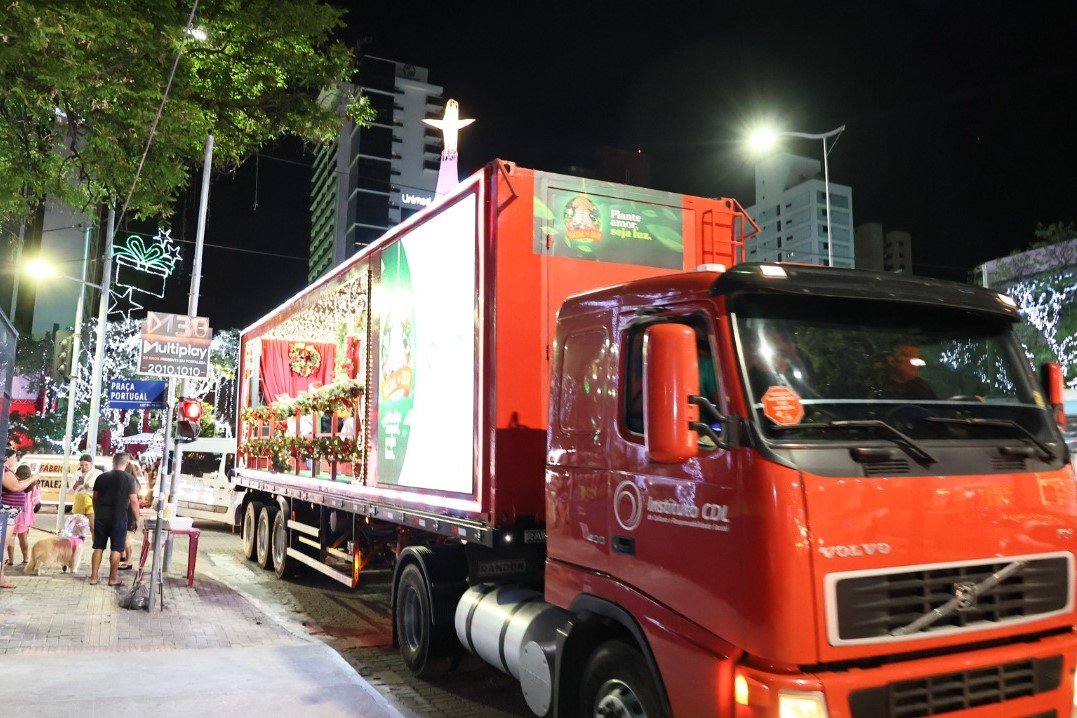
[[605, 222], [424, 305], [136, 394], [175, 345]]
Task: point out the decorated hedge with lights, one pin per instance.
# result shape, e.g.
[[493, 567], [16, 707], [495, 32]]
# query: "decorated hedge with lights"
[[1043, 282]]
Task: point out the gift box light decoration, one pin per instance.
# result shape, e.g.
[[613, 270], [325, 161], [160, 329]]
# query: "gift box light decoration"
[[142, 266]]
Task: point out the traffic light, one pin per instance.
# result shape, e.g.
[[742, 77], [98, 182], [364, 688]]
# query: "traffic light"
[[61, 355], [189, 425]]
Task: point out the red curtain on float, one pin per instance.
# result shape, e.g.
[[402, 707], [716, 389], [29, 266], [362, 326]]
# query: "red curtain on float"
[[277, 375], [354, 350]]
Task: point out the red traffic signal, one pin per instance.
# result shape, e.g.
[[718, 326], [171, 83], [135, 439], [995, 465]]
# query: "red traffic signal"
[[191, 410]]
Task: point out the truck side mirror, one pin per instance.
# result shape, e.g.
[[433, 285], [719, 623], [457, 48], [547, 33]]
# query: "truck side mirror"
[[670, 377], [1054, 385]]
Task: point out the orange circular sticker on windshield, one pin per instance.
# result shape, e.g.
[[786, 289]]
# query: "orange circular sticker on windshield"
[[782, 406]]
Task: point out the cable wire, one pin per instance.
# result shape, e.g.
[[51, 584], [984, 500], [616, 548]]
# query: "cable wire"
[[160, 111]]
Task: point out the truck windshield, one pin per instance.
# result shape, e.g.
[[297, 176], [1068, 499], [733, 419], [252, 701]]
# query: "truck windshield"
[[200, 463], [814, 367]]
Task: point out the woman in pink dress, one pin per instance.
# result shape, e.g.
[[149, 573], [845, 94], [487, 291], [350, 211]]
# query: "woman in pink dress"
[[24, 520]]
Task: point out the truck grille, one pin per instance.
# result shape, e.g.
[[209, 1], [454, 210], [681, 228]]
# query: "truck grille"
[[937, 695], [870, 607]]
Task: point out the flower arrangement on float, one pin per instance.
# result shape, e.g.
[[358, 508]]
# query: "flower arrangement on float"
[[338, 398]]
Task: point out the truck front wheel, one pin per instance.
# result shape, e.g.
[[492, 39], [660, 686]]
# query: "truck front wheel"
[[617, 684]]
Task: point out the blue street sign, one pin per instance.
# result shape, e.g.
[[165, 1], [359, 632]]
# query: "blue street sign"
[[136, 394]]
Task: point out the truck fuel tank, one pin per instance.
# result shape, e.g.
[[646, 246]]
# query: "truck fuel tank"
[[500, 624]]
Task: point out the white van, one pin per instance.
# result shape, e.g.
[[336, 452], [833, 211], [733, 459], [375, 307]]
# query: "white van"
[[51, 469], [206, 491]]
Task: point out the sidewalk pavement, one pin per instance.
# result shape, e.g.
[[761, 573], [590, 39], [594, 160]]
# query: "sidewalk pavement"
[[68, 648]]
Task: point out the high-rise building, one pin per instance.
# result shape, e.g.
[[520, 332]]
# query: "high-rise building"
[[883, 251], [56, 233], [373, 178], [790, 208]]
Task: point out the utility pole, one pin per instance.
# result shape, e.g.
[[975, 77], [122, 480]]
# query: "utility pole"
[[102, 323], [162, 479], [72, 381]]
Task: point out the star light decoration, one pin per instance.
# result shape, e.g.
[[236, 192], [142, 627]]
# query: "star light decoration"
[[142, 267], [122, 303]]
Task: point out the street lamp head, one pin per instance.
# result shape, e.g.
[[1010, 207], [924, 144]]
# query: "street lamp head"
[[762, 139], [39, 268]]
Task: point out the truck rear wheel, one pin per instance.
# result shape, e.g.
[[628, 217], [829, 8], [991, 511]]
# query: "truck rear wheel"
[[250, 528], [424, 646], [283, 565], [263, 537], [617, 684]]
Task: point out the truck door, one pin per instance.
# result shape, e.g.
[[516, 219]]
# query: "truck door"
[[577, 464], [669, 524]]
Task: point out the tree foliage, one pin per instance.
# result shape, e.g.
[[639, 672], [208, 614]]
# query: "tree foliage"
[[33, 358], [83, 82], [1048, 234]]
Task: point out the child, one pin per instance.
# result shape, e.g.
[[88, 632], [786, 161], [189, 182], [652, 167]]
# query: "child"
[[24, 520], [82, 504]]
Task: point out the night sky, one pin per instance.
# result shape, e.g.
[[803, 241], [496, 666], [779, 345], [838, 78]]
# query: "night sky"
[[958, 115]]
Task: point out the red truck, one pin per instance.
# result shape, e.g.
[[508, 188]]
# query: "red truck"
[[647, 479]]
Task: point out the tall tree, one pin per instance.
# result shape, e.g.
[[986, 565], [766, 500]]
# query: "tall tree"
[[1048, 234], [83, 82]]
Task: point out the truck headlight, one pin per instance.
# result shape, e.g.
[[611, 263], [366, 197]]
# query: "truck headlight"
[[797, 704]]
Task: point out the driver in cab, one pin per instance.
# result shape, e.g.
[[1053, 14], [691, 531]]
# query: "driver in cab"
[[903, 379]]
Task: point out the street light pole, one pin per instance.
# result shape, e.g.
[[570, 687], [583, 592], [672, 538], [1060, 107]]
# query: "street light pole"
[[71, 382], [824, 136], [826, 193], [102, 322]]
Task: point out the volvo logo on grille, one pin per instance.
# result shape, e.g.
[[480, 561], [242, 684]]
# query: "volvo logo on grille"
[[965, 593]]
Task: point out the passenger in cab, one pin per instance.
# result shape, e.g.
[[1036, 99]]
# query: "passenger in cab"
[[774, 360]]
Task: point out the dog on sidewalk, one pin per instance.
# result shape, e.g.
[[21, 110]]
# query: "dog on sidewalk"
[[53, 551]]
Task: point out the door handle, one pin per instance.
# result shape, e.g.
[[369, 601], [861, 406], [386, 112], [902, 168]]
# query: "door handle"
[[624, 544]]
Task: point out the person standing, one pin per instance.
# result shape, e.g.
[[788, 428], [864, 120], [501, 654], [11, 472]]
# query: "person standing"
[[24, 520], [115, 500], [135, 469], [14, 496], [87, 473]]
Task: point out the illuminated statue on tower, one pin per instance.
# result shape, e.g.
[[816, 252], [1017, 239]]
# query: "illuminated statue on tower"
[[450, 126]]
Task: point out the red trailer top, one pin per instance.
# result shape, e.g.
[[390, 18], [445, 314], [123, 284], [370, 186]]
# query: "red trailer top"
[[446, 325]]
